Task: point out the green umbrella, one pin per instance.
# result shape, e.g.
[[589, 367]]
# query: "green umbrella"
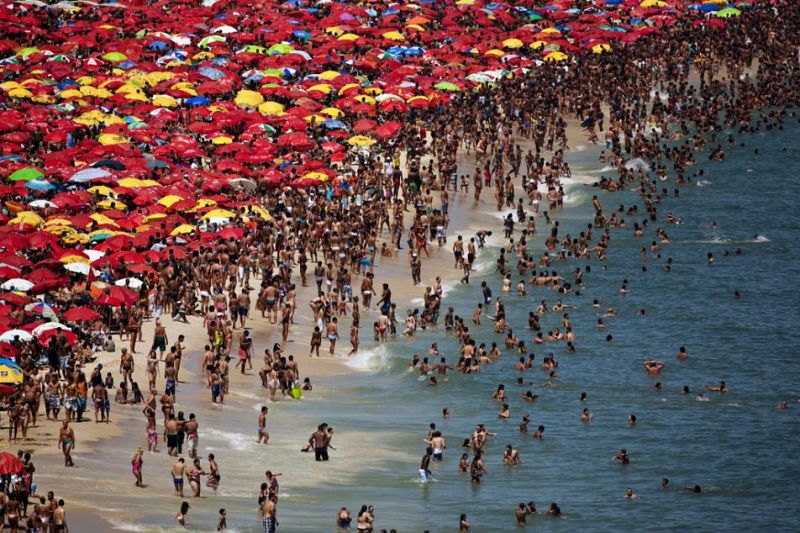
[[447, 86], [25, 174], [280, 49], [728, 12], [205, 41], [28, 51], [254, 49], [115, 57], [534, 16]]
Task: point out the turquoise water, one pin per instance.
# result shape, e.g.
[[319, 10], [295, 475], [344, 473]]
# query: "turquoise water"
[[737, 446]]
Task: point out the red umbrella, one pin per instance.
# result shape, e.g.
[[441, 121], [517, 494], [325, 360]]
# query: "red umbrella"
[[82, 313], [8, 351], [9, 464]]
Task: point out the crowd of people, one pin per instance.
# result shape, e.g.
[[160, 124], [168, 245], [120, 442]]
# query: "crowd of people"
[[662, 101]]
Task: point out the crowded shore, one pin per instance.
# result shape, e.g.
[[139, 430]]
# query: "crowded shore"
[[224, 259]]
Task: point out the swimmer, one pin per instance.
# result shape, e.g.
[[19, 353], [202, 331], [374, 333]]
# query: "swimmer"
[[629, 494], [721, 388], [653, 367]]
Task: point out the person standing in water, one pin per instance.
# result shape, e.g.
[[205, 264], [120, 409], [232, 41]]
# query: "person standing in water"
[[424, 467]]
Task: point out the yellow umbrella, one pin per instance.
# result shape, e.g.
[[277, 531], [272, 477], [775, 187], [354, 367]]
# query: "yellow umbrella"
[[71, 93], [111, 204], [320, 176], [394, 36], [221, 139], [111, 138], [202, 203], [60, 230], [653, 3], [415, 27], [102, 190], [260, 211], [321, 87], [360, 140], [334, 30], [102, 219], [316, 119], [271, 109], [27, 217], [494, 52], [219, 213], [58, 222], [74, 258], [164, 100], [556, 56], [538, 44], [600, 48], [364, 99], [8, 85], [246, 98], [373, 91], [550, 30], [348, 37], [170, 200], [329, 75], [19, 92], [183, 229], [136, 183], [154, 216], [512, 43], [333, 112], [347, 87]]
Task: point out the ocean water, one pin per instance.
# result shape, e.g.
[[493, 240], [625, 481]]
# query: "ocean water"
[[737, 446]]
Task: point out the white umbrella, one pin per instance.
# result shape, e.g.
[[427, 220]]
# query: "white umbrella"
[[94, 255], [244, 183], [38, 330], [42, 204], [88, 174], [9, 335], [78, 268], [133, 283], [18, 284]]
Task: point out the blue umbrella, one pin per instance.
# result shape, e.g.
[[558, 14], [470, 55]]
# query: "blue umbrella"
[[334, 124], [212, 73], [196, 101], [66, 83], [39, 185], [302, 34], [157, 45], [109, 163]]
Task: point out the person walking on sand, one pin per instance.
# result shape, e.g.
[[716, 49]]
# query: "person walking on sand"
[[136, 466], [66, 441], [245, 348]]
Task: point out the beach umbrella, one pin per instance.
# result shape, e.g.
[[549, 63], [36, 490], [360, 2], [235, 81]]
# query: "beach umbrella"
[[88, 174], [728, 12], [25, 174], [42, 308], [9, 463], [447, 86], [16, 334], [115, 57], [360, 140], [39, 185], [80, 314], [17, 284], [133, 283]]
